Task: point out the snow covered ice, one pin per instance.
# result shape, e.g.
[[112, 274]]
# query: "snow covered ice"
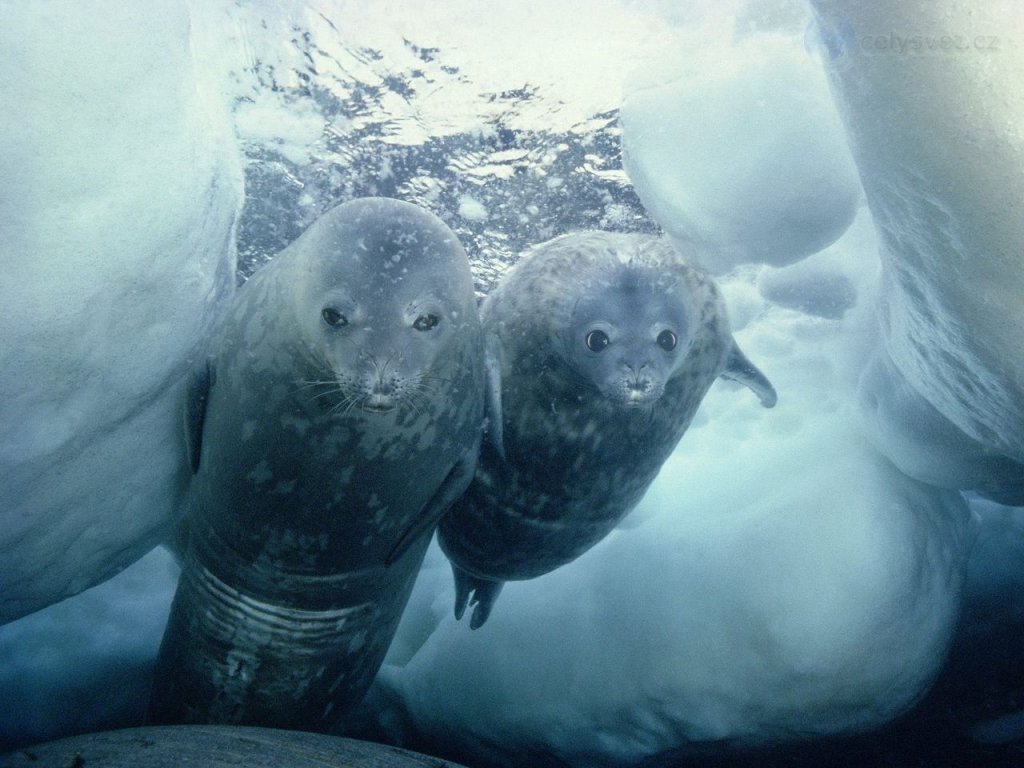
[[792, 574]]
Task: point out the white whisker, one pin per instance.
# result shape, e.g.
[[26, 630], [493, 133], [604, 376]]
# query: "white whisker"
[[334, 391]]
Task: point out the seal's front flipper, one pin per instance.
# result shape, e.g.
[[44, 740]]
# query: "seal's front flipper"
[[739, 368], [492, 370], [197, 395], [454, 485], [477, 592]]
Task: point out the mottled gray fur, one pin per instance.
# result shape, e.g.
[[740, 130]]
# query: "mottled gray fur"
[[337, 418]]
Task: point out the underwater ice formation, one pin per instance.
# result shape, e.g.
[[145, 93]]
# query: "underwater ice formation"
[[117, 231], [780, 580], [930, 96], [737, 146]]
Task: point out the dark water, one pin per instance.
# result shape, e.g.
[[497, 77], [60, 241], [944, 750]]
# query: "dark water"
[[534, 183]]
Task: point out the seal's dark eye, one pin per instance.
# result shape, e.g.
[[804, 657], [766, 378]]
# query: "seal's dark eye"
[[597, 341], [333, 317], [667, 340], [426, 322]]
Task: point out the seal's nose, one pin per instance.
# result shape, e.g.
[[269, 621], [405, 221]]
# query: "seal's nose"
[[384, 386], [636, 379], [380, 385]]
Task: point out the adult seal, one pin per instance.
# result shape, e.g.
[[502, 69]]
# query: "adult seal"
[[337, 417], [599, 349]]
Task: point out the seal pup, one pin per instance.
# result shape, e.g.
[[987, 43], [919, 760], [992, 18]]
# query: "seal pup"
[[336, 418], [599, 349]]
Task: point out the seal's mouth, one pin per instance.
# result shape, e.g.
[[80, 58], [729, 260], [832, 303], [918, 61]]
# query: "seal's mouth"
[[640, 392], [636, 399], [379, 403]]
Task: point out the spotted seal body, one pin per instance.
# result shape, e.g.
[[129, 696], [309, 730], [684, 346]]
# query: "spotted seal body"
[[336, 419], [600, 347]]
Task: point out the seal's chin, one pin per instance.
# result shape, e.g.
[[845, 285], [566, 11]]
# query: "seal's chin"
[[634, 399], [637, 396]]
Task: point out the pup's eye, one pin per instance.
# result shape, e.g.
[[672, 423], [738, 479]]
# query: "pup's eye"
[[426, 322], [333, 317], [667, 340], [597, 341]]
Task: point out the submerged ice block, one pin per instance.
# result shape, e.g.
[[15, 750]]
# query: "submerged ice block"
[[738, 147], [117, 239], [813, 593], [931, 97]]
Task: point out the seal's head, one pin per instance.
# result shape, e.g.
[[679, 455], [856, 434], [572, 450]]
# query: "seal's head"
[[389, 291], [625, 324], [629, 334]]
